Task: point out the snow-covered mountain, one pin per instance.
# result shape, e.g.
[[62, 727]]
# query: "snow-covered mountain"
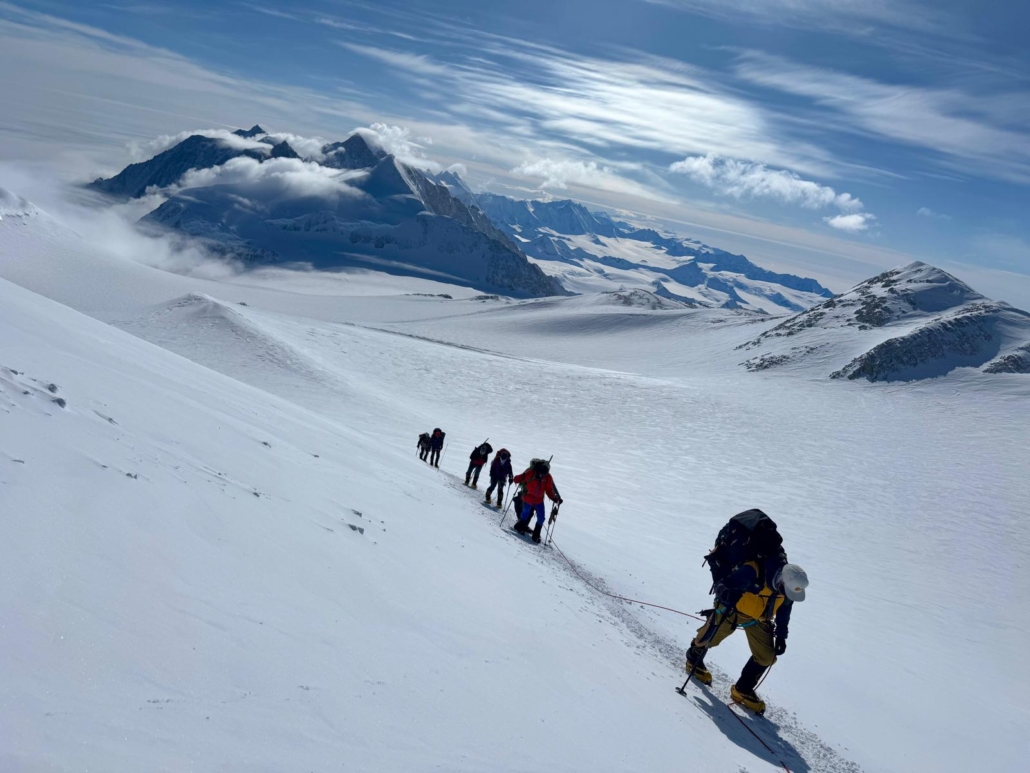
[[252, 197], [909, 323], [592, 252]]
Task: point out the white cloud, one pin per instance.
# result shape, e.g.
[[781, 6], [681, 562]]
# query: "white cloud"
[[741, 178], [558, 174], [561, 173], [931, 215], [853, 223], [399, 141], [274, 179], [150, 148], [112, 230]]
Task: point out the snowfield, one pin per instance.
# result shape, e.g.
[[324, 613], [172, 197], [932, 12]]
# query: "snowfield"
[[222, 552]]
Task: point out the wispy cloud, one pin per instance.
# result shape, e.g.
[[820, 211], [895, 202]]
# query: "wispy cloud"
[[604, 105], [853, 17], [980, 134], [275, 12], [931, 215], [745, 179], [855, 222], [356, 26]]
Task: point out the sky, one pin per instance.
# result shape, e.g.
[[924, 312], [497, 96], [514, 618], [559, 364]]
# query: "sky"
[[829, 137]]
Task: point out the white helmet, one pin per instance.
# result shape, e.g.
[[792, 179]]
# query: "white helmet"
[[794, 581]]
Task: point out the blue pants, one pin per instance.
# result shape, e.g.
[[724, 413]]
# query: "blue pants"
[[527, 513]]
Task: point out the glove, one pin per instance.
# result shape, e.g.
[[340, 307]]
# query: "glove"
[[559, 501], [781, 646]]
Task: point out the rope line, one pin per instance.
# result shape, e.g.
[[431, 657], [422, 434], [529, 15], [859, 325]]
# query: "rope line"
[[615, 596]]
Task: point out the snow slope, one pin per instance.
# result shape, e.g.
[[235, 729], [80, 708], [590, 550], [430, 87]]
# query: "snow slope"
[[447, 643], [222, 566]]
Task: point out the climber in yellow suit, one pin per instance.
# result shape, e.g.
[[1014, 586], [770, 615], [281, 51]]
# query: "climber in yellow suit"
[[757, 596]]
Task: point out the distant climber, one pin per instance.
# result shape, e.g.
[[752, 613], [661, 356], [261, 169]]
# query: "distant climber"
[[538, 483], [755, 589], [477, 459], [423, 446], [435, 446], [500, 471]]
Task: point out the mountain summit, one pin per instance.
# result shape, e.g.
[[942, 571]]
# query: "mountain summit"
[[908, 323], [354, 206]]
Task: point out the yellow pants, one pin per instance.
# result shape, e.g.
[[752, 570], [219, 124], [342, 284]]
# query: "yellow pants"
[[759, 637]]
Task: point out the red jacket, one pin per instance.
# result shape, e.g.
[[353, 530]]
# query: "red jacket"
[[537, 487]]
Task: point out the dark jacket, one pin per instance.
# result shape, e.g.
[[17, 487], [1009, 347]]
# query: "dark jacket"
[[436, 441], [423, 440], [480, 454], [500, 470], [750, 586]]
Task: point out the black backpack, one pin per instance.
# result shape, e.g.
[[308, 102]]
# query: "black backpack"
[[748, 536]]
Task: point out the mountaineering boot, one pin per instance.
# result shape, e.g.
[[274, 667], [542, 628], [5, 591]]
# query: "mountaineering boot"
[[521, 526], [536, 531], [748, 700], [695, 661], [743, 692], [475, 486], [489, 498], [466, 478]]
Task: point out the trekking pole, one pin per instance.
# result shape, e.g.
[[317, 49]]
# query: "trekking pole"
[[709, 635], [551, 523], [442, 452], [504, 515]]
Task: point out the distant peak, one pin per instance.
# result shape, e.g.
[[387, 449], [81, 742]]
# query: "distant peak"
[[283, 150], [253, 131]]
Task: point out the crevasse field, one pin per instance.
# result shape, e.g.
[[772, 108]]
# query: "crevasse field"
[[221, 551]]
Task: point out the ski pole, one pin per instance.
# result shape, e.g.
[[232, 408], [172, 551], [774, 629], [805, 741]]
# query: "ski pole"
[[442, 452], [709, 635]]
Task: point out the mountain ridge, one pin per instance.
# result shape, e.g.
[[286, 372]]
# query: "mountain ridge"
[[909, 323], [371, 215], [567, 232]]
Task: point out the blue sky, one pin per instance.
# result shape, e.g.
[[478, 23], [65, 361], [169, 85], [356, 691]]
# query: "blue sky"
[[833, 137]]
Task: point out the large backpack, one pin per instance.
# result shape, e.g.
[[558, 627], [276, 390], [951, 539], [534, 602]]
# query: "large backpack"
[[748, 536]]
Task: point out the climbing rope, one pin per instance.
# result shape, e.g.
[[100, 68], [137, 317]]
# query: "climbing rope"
[[615, 596]]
